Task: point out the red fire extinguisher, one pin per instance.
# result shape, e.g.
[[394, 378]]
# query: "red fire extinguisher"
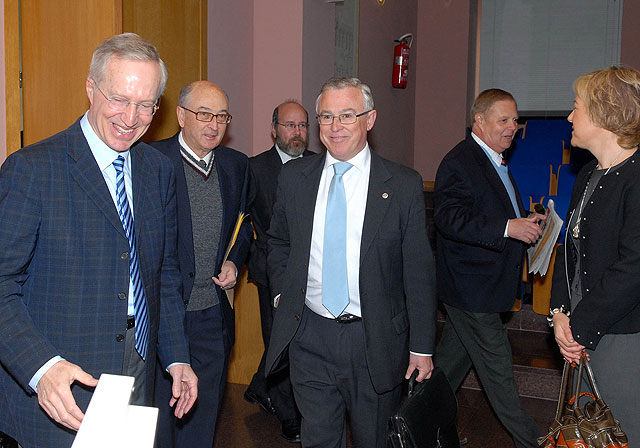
[[401, 61]]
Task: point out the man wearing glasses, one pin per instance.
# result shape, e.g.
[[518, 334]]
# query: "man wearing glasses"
[[351, 270], [211, 188], [289, 129], [89, 279]]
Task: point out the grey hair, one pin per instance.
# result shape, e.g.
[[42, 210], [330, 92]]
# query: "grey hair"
[[128, 46], [274, 116], [343, 83]]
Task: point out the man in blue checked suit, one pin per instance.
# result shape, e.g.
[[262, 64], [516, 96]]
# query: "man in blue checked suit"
[[89, 278]]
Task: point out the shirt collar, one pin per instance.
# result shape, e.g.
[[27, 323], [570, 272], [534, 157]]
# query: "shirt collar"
[[495, 157], [361, 161], [189, 151], [103, 154], [284, 156]]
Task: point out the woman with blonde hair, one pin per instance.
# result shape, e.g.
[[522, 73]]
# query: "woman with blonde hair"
[[596, 283]]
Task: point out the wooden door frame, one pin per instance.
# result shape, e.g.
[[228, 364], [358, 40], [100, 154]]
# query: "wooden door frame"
[[12, 74]]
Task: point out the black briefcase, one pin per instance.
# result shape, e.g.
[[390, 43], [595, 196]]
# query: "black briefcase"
[[427, 418]]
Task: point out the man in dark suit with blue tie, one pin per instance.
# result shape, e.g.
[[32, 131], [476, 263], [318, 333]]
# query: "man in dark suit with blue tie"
[[356, 306], [482, 233], [211, 185], [89, 279]]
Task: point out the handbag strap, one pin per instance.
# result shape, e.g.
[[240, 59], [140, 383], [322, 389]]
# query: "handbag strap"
[[567, 373], [584, 365]]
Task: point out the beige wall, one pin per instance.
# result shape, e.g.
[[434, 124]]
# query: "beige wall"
[[262, 54], [441, 93]]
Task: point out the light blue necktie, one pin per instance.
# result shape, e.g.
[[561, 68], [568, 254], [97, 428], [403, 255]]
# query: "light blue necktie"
[[140, 312], [335, 286], [503, 172]]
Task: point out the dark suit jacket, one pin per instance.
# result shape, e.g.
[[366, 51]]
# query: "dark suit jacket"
[[478, 269], [609, 253], [232, 168], [64, 272], [396, 289], [264, 170]]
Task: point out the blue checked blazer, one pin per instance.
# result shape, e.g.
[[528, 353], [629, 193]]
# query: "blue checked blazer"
[[64, 273]]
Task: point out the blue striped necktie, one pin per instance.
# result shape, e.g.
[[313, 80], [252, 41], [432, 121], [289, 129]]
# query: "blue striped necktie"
[[335, 285], [140, 312]]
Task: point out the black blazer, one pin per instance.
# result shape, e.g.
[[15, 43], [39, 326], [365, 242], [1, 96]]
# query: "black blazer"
[[232, 168], [396, 267], [264, 170], [478, 269], [609, 253]]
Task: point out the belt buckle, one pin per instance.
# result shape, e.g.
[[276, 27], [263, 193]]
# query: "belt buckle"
[[347, 318]]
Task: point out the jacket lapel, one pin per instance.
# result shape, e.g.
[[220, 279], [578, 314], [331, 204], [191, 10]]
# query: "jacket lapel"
[[379, 197], [84, 169], [305, 198], [140, 177], [493, 179]]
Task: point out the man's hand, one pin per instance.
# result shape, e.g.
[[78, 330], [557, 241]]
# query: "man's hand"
[[54, 393], [424, 364], [227, 277], [184, 390], [569, 348], [526, 229]]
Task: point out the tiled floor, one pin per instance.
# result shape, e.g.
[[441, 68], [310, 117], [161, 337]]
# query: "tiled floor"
[[242, 425]]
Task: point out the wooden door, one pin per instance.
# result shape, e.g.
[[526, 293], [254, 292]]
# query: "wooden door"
[[57, 41], [52, 42], [179, 30]]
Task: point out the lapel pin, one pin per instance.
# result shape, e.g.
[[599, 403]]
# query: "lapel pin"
[[385, 195]]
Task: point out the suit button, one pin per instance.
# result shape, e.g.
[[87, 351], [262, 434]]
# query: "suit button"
[[191, 274], [122, 296], [124, 255], [297, 317], [119, 338]]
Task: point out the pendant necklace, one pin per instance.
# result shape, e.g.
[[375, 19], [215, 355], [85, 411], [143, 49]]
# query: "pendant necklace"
[[575, 232]]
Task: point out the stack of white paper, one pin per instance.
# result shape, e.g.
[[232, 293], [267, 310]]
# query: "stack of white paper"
[[540, 253], [111, 422]]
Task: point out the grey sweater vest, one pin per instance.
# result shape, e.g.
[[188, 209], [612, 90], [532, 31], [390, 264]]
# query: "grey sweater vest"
[[206, 221]]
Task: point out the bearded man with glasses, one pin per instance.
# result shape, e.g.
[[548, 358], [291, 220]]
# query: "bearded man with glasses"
[[89, 279], [211, 183], [289, 130]]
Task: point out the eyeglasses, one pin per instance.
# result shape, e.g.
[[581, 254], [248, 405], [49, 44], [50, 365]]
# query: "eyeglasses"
[[121, 104], [348, 118], [292, 126], [208, 116]]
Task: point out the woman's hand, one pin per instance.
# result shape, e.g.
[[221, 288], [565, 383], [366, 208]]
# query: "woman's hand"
[[569, 348]]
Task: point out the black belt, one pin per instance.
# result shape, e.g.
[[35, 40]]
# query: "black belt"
[[131, 322], [347, 318]]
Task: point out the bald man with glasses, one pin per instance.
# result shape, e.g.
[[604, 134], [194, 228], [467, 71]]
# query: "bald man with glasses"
[[211, 188]]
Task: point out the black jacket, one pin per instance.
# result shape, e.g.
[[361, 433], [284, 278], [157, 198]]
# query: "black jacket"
[[609, 254]]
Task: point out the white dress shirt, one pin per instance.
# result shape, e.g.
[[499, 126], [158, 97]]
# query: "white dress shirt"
[[284, 156], [356, 187]]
